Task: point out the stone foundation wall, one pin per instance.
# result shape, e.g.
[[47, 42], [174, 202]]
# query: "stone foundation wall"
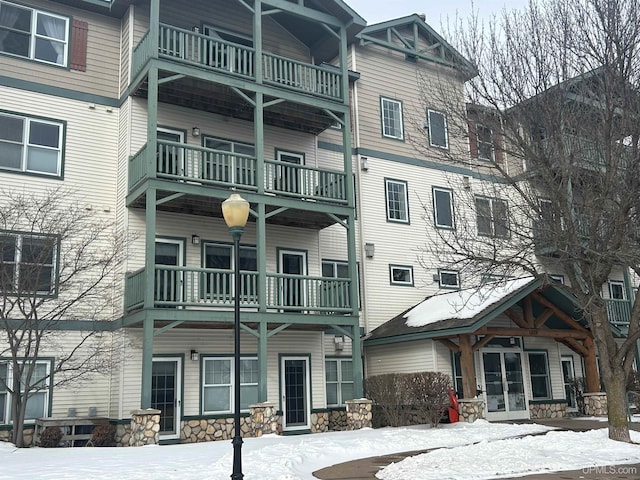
[[320, 422], [358, 414], [5, 436], [470, 409], [123, 435], [595, 404], [548, 410], [145, 427], [211, 429], [337, 420], [263, 420]]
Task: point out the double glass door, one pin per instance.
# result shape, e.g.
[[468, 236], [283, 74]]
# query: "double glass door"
[[504, 385]]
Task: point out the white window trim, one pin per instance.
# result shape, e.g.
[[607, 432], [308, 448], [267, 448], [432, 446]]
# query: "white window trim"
[[33, 35], [446, 129], [547, 376], [408, 268], [46, 389], [386, 134], [387, 182], [435, 208], [26, 145], [618, 283], [339, 382], [491, 143], [445, 285], [230, 384]]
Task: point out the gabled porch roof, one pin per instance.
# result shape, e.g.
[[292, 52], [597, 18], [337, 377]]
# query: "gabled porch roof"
[[468, 311]]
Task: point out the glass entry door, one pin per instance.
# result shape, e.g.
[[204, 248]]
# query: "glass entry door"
[[166, 392], [292, 289], [504, 385], [295, 393], [168, 282], [568, 377]]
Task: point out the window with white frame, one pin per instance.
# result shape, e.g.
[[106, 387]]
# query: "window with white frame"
[[557, 278], [217, 384], [397, 201], [392, 124], [217, 285], [443, 207], [486, 150], [616, 290], [231, 162], [539, 373], [38, 401], [30, 144], [401, 275], [28, 263], [437, 126], [449, 279], [339, 381], [492, 217], [34, 34]]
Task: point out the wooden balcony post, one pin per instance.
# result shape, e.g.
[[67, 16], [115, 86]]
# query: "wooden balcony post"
[[591, 367], [468, 369]]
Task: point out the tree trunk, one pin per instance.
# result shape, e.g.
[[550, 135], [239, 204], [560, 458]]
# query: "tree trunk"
[[617, 406]]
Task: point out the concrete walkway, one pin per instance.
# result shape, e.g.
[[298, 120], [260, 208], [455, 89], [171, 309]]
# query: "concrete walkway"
[[366, 468]]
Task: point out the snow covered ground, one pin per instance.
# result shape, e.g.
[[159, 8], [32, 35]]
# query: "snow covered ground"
[[488, 449]]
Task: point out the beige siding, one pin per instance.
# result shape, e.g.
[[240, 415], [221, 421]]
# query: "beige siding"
[[405, 357], [103, 50]]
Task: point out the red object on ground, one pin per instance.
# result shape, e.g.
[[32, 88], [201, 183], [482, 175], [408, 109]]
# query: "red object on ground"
[[454, 416]]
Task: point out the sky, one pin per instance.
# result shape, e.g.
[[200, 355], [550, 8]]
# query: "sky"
[[374, 11], [489, 450]]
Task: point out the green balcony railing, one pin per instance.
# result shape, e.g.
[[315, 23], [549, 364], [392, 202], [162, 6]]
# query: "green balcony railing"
[[215, 54], [618, 311], [213, 288], [194, 164]]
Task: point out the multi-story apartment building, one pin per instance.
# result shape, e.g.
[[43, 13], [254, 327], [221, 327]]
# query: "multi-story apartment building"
[[160, 109]]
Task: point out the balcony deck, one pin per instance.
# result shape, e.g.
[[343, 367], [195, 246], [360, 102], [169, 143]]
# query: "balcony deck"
[[208, 288]]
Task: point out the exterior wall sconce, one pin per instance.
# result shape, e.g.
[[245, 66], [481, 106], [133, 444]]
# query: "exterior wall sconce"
[[195, 131], [195, 239], [194, 355], [364, 163], [369, 249]]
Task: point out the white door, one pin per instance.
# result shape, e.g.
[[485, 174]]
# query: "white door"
[[294, 384], [503, 379], [168, 281], [170, 157], [166, 394]]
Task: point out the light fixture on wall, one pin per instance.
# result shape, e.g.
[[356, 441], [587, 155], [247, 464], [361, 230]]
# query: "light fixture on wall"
[[369, 249], [466, 183], [195, 131], [195, 239], [364, 163], [338, 340], [194, 355]]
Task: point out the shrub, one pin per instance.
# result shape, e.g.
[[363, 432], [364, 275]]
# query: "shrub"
[[409, 398], [103, 436], [50, 437]]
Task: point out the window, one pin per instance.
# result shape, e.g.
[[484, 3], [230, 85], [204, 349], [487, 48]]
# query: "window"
[[38, 402], [232, 162], [401, 275], [335, 293], [28, 263], [339, 381], [437, 126], [397, 201], [616, 290], [486, 149], [539, 372], [491, 215], [443, 207], [449, 279], [29, 33], [391, 118], [557, 278], [217, 383], [29, 144], [217, 285]]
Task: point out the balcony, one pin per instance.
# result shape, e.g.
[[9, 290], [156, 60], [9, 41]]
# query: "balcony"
[[204, 166], [584, 153], [618, 311], [217, 55], [208, 288]]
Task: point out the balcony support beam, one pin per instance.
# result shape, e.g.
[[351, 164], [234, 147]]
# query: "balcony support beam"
[[158, 331], [169, 198], [170, 79]]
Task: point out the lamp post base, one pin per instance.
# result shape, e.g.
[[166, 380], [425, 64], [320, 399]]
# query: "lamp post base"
[[237, 457]]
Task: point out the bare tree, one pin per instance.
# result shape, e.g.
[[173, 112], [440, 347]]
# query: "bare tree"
[[57, 267], [552, 118]]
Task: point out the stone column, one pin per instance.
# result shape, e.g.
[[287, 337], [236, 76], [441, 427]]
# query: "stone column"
[[470, 409], [145, 427], [263, 419], [358, 414], [595, 403]]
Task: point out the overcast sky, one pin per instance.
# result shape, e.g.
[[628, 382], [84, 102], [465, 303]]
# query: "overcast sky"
[[374, 11]]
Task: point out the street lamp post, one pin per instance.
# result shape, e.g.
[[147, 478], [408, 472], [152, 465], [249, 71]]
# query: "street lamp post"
[[235, 211]]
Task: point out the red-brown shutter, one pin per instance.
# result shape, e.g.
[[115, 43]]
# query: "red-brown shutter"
[[498, 147], [473, 140], [79, 34]]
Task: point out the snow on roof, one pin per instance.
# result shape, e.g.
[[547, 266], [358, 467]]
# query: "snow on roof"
[[462, 303]]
